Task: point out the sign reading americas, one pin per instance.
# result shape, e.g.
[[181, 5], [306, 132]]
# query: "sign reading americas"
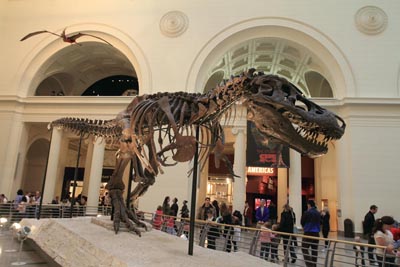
[[261, 170]]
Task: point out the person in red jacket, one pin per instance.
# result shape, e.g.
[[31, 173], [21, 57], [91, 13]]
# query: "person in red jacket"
[[158, 218], [396, 233]]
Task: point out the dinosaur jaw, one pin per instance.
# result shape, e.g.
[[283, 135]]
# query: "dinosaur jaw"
[[296, 132], [284, 115]]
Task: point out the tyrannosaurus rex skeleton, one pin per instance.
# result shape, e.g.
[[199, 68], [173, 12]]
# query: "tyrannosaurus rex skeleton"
[[150, 120]]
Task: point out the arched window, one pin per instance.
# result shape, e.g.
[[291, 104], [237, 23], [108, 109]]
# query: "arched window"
[[113, 86], [276, 56]]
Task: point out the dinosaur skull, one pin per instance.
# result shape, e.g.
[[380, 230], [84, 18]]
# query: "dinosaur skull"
[[284, 115]]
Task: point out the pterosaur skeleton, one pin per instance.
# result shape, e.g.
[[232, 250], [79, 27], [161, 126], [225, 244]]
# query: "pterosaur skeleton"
[[66, 38]]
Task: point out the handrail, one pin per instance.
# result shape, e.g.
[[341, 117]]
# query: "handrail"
[[226, 237]]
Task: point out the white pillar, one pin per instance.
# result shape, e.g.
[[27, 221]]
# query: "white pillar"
[[95, 176], [10, 173], [295, 184], [282, 190], [88, 166], [52, 166], [239, 168]]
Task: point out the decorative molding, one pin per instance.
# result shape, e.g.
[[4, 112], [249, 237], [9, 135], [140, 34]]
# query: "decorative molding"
[[371, 20], [236, 130], [174, 24]]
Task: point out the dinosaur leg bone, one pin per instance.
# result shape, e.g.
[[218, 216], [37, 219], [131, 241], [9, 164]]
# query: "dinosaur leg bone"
[[115, 187], [147, 180]]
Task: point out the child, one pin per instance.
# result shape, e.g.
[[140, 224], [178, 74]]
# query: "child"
[[275, 240], [171, 223], [158, 218], [265, 239]]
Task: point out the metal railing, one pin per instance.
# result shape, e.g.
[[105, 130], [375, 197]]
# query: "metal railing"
[[13, 213], [283, 248]]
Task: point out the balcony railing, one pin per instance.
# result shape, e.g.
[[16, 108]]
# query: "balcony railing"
[[230, 238]]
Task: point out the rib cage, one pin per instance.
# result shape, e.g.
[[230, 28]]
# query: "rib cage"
[[170, 116]]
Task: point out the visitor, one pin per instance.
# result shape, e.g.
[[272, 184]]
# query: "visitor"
[[202, 214], [18, 198], [247, 214], [325, 217], [384, 237], [213, 231], [273, 213], [311, 225], [175, 207], [275, 240], [265, 239], [184, 210], [3, 199], [166, 208], [237, 221], [226, 218], [158, 218], [216, 207], [262, 213], [286, 225], [368, 225], [170, 222]]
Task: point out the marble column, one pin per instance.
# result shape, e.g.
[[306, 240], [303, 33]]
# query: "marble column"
[[95, 176], [88, 166], [282, 189], [52, 165], [295, 184], [239, 168]]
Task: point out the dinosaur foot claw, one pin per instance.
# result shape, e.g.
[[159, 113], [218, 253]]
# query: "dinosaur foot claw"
[[132, 228]]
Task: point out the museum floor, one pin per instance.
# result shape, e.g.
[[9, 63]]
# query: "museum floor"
[[10, 254]]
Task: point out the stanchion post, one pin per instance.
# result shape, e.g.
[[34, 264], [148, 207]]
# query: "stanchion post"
[[44, 178], [194, 192], [76, 175]]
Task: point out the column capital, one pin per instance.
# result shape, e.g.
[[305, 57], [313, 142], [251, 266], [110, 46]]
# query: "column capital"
[[239, 129], [99, 141]]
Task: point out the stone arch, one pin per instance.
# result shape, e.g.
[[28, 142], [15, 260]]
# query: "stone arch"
[[37, 60], [338, 71]]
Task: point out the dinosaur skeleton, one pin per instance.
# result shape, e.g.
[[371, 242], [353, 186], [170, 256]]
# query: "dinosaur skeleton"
[[277, 108]]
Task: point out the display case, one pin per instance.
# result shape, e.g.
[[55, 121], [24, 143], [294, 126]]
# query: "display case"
[[220, 189]]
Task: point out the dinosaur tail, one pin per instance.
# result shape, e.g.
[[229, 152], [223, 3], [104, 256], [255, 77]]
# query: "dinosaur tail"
[[107, 129]]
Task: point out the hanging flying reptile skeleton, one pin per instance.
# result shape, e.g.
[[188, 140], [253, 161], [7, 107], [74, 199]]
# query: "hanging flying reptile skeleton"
[[151, 120]]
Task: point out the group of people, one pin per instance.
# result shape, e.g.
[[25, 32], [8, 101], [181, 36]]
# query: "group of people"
[[312, 221], [168, 213], [24, 204], [23, 200], [269, 241], [214, 212], [382, 232]]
